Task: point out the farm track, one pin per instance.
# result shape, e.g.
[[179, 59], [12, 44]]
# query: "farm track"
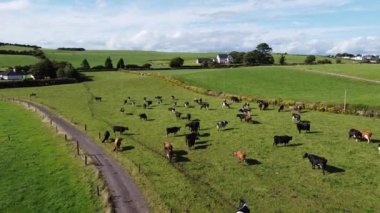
[[344, 76], [125, 195]]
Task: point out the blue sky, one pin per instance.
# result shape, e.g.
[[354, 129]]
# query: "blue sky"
[[292, 26]]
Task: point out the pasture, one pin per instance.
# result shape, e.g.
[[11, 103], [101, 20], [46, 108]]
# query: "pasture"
[[39, 171], [16, 48], [208, 178], [288, 83], [15, 60]]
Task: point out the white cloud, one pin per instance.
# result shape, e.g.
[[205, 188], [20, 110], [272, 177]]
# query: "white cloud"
[[14, 5], [357, 45]]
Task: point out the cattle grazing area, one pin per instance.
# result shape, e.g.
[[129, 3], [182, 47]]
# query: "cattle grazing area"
[[208, 177], [39, 172]]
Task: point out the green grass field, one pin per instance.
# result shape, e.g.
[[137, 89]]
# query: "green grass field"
[[39, 171], [16, 48], [287, 83], [209, 178], [16, 60]]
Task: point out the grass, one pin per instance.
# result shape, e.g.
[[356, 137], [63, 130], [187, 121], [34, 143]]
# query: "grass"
[[39, 172], [16, 48], [285, 82], [209, 178], [300, 59], [16, 60]]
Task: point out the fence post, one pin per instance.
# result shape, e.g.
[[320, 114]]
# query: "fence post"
[[65, 137], [85, 160], [85, 127], [77, 148], [98, 190]]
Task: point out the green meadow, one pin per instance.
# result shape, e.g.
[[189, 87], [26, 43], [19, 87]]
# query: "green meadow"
[[39, 170], [208, 178], [289, 82], [7, 61]]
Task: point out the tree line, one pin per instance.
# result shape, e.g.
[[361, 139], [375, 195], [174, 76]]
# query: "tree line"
[[71, 48], [20, 45], [35, 52], [108, 65]]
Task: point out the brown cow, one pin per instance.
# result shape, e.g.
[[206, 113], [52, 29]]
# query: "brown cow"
[[367, 135], [117, 144], [241, 155], [168, 148]]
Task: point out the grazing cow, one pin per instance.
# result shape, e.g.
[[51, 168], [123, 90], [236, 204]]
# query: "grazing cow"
[[245, 105], [171, 109], [148, 103], [117, 144], [367, 135], [127, 100], [122, 109], [248, 118], [187, 105], [262, 104], [198, 101], [221, 124], [245, 110], [173, 130], [281, 108], [168, 148], [32, 95], [173, 98], [234, 99], [243, 208], [193, 126], [188, 116], [97, 98], [133, 102], [356, 134], [178, 115], [159, 99], [315, 160], [145, 105], [296, 117], [106, 136], [241, 116], [241, 155], [190, 139], [174, 104], [205, 106], [225, 104], [120, 129], [285, 139], [143, 116], [303, 125]]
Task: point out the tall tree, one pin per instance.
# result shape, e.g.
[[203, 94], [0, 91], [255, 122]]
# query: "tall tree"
[[250, 58], [108, 64], [264, 48], [238, 57], [85, 65], [310, 59], [282, 60], [120, 64], [43, 69], [176, 62]]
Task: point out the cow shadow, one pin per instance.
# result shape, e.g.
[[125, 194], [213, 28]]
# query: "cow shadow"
[[205, 135], [314, 132], [255, 122], [202, 146], [200, 142], [290, 145], [179, 156], [375, 141], [229, 129], [127, 148], [205, 129], [128, 113], [150, 119], [251, 161], [333, 169]]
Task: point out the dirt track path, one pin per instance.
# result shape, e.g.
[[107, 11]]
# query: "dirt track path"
[[124, 193]]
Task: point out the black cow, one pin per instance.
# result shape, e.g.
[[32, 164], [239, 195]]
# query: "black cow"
[[159, 99], [262, 104], [120, 129], [221, 124], [205, 106], [303, 125], [188, 116], [148, 103], [315, 160], [234, 99], [356, 134], [178, 115], [98, 98], [245, 110], [194, 126], [33, 95], [171, 109], [241, 116], [190, 139], [281, 108], [122, 109], [243, 208], [106, 136], [187, 105], [143, 116], [173, 130], [285, 139], [296, 117]]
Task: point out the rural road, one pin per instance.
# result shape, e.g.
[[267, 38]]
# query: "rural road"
[[124, 193]]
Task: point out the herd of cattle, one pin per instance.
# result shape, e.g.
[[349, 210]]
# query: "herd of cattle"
[[244, 114]]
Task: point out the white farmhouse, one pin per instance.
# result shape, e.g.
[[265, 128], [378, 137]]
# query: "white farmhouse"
[[224, 59]]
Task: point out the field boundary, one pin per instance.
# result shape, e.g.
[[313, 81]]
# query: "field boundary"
[[343, 76], [124, 193]]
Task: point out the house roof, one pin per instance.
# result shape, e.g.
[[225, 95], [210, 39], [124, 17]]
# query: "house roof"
[[222, 55], [13, 72]]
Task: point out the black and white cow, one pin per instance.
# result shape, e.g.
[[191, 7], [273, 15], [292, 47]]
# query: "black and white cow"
[[243, 207], [282, 139], [205, 105], [159, 99], [241, 116], [172, 130], [234, 99], [315, 160], [120, 129], [356, 134], [178, 115], [296, 117], [262, 104], [187, 104], [188, 116], [221, 124], [143, 116], [225, 104], [303, 125]]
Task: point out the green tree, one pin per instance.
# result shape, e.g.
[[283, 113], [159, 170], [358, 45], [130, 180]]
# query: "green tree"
[[237, 56], [108, 64], [338, 61], [282, 60], [176, 62], [66, 70], [310, 59], [264, 54], [264, 48], [120, 64], [43, 69], [250, 58], [85, 65]]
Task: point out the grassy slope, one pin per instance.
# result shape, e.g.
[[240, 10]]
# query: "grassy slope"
[[39, 172], [283, 82], [17, 48], [98, 57], [14, 60], [209, 177]]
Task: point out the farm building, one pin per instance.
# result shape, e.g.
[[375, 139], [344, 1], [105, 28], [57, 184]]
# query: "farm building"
[[370, 59], [12, 75], [224, 59], [204, 60]]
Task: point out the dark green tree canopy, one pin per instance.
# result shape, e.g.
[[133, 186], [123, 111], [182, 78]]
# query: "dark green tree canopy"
[[264, 48], [238, 57], [282, 60], [120, 64], [176, 62], [43, 69], [310, 59], [85, 65], [108, 63]]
